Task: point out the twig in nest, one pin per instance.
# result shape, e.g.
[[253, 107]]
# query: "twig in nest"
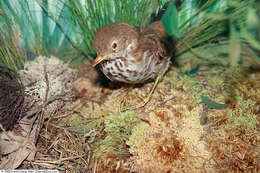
[[60, 160], [41, 120]]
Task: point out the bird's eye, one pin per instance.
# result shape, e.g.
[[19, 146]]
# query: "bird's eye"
[[114, 45]]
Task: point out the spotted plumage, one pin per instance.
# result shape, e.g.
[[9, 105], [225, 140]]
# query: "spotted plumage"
[[132, 54]]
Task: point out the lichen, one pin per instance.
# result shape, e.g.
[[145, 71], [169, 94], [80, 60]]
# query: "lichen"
[[60, 79]]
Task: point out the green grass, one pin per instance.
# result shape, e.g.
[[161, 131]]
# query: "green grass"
[[85, 18], [66, 28], [10, 54]]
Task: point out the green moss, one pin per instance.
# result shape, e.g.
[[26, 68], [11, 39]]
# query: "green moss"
[[139, 132], [192, 86], [118, 130], [235, 134], [172, 74], [246, 122], [217, 81], [107, 133], [85, 123], [76, 122], [235, 77], [120, 126], [243, 117], [189, 83]]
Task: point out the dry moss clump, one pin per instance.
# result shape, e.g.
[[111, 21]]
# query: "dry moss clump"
[[168, 139], [155, 150], [168, 149], [234, 134]]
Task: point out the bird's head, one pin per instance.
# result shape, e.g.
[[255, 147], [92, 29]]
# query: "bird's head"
[[113, 41]]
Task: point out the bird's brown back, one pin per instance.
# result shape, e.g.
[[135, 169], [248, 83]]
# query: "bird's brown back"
[[154, 38]]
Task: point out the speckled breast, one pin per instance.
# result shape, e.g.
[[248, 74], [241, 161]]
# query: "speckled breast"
[[130, 71], [126, 71]]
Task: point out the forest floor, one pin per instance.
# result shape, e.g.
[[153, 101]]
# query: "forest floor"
[[175, 132], [204, 121]]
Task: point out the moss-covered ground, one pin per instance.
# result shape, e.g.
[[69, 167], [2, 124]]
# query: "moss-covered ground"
[[175, 132]]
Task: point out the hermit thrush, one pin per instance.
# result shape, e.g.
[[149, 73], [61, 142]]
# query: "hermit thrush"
[[133, 54]]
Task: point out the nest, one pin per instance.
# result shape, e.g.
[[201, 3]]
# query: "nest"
[[11, 99]]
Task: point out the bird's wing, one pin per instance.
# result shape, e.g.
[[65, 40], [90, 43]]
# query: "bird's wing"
[[153, 39]]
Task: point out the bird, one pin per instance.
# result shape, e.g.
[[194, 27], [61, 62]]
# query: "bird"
[[132, 54]]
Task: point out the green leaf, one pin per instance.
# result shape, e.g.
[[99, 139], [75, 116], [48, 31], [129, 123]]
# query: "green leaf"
[[164, 1], [170, 21], [211, 104], [193, 71]]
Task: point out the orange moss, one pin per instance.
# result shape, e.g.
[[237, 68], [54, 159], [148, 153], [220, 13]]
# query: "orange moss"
[[180, 111], [219, 119], [234, 154], [110, 164], [162, 115], [234, 140], [168, 150]]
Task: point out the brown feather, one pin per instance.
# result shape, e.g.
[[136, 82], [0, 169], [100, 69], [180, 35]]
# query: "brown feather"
[[153, 38]]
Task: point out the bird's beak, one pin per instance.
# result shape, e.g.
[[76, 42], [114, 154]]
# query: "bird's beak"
[[98, 60]]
